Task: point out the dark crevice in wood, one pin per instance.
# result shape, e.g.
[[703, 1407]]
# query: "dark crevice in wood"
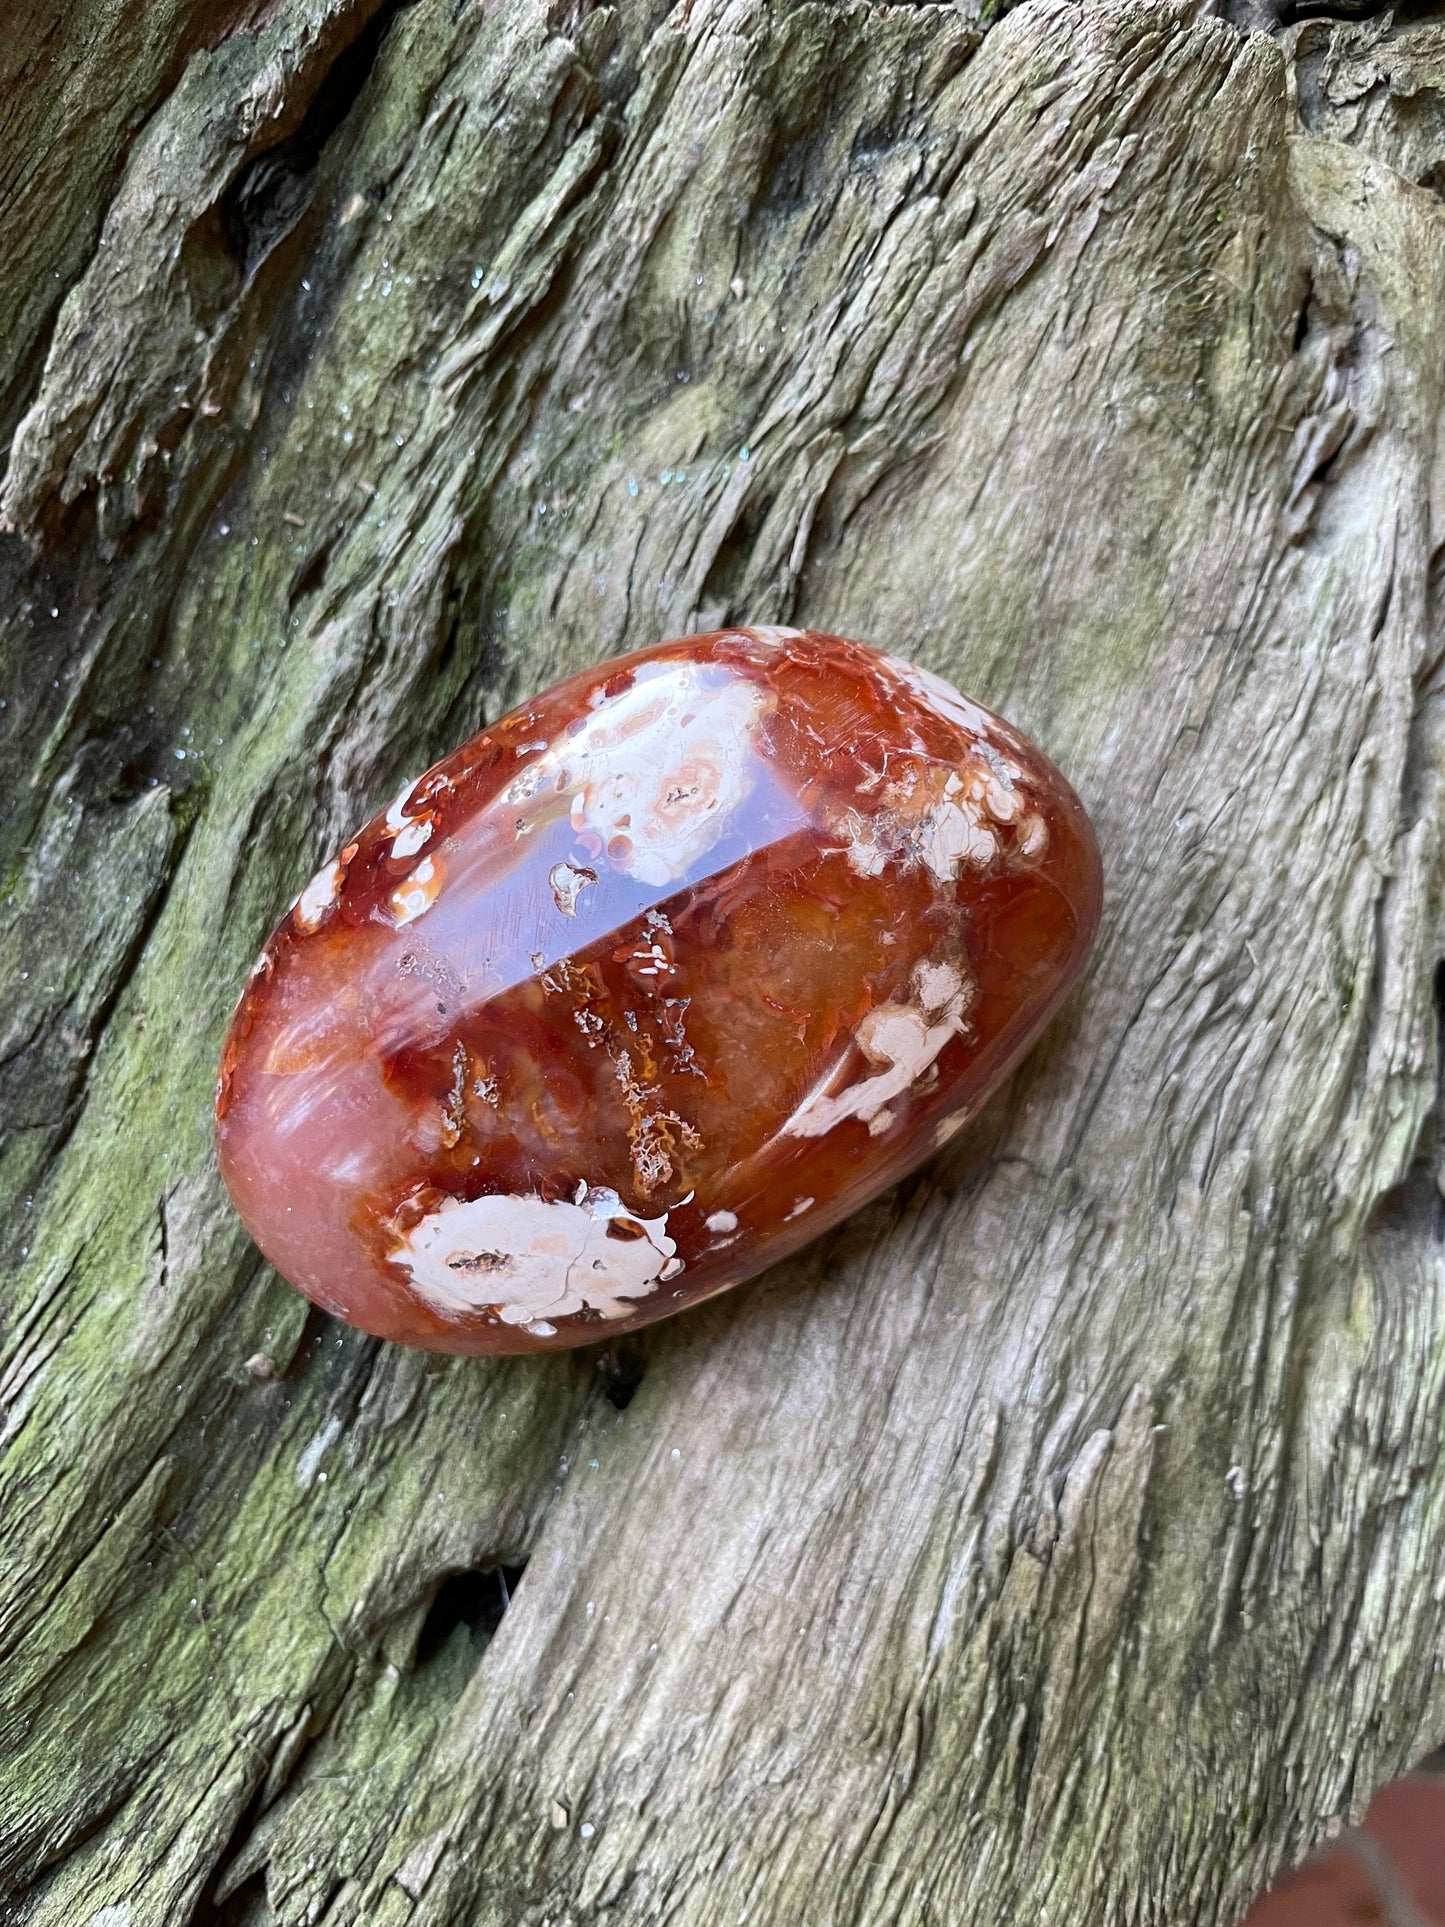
[[620, 1369], [1414, 1209], [724, 582], [313, 1334], [273, 190], [310, 576], [1302, 321], [1272, 16], [243, 1908], [218, 1908], [476, 1599]]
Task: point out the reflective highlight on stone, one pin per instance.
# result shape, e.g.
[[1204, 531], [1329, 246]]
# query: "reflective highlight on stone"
[[644, 987]]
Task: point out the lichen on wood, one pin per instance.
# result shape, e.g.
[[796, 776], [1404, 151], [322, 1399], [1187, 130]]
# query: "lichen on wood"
[[1060, 1541]]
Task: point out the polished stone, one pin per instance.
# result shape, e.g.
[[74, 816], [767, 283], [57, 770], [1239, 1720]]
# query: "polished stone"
[[644, 987]]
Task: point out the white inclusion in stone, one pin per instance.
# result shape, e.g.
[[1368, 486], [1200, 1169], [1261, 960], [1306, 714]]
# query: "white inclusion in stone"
[[772, 634], [661, 768], [995, 782], [950, 836], [320, 894], [409, 833], [801, 1205], [1033, 835], [904, 1039], [721, 1221], [531, 1260], [865, 855], [568, 881], [963, 828], [937, 985], [416, 894], [396, 816], [412, 838]]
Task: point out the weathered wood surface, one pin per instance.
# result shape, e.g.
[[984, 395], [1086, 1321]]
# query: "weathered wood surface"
[[1061, 1542]]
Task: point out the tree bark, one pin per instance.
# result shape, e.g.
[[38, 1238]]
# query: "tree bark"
[[1058, 1543]]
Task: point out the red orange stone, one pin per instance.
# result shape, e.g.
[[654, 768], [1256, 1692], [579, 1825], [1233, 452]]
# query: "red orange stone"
[[646, 986]]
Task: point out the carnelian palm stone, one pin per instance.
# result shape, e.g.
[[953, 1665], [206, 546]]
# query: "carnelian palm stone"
[[644, 987]]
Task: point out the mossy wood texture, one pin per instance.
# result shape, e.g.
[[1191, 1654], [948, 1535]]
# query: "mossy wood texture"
[[1062, 1541]]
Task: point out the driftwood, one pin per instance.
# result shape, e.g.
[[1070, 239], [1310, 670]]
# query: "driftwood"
[[1062, 1541]]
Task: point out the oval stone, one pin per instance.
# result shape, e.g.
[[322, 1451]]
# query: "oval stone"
[[644, 987]]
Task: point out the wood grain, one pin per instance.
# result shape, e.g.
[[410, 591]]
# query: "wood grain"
[[1060, 1541]]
